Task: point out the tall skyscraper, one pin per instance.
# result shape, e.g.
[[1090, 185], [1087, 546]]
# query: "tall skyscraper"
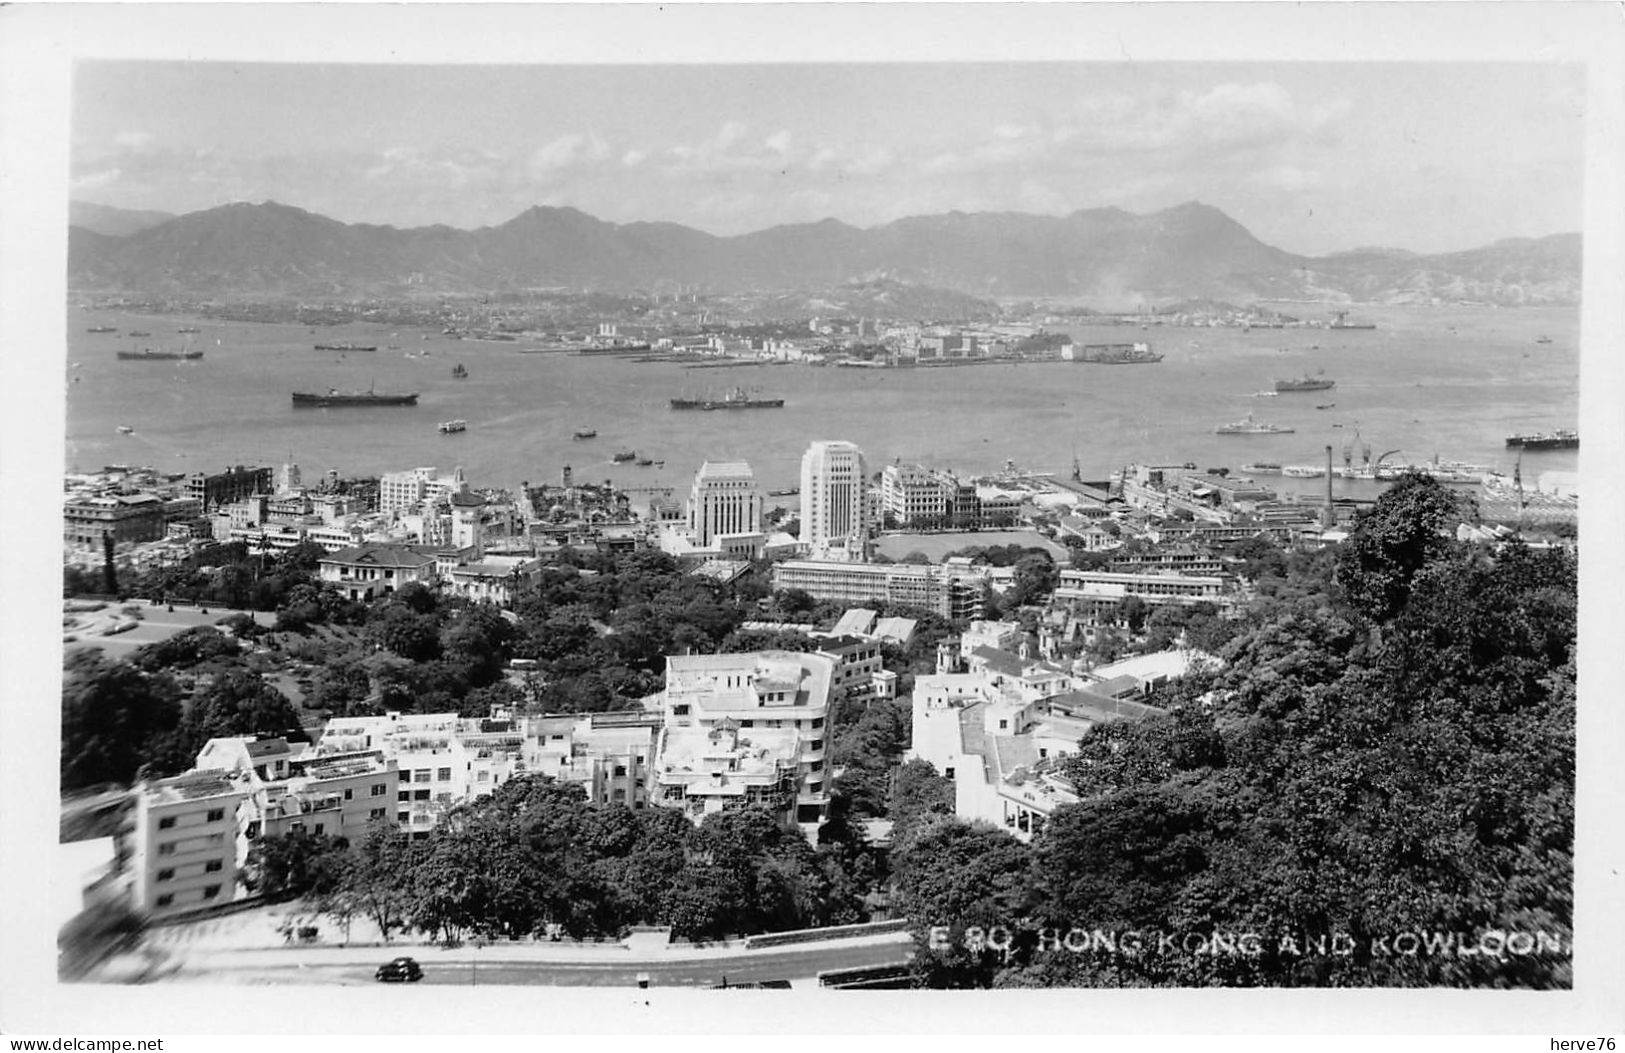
[[834, 500], [724, 500]]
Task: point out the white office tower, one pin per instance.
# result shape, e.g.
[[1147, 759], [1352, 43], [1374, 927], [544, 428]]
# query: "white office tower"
[[724, 500], [834, 503]]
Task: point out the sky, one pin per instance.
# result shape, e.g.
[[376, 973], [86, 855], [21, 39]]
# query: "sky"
[[1311, 157]]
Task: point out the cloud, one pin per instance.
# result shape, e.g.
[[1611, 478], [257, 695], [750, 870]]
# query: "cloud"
[[133, 140], [568, 151], [779, 142]]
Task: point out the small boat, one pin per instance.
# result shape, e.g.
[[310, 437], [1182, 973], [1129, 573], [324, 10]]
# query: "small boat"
[[448, 427], [188, 329], [788, 491], [346, 347], [644, 462], [585, 433], [125, 429], [622, 456], [1543, 340], [1325, 405], [138, 332], [1303, 471], [1262, 468], [459, 372], [101, 329]]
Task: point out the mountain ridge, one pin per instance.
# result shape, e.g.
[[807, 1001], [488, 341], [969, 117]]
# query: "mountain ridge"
[[1105, 255]]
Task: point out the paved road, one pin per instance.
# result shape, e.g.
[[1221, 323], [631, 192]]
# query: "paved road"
[[795, 963]]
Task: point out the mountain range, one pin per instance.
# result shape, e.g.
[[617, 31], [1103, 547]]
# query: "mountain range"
[[1107, 258]]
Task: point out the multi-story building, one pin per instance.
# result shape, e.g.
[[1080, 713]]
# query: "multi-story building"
[[724, 500], [182, 845], [761, 690], [211, 490], [610, 755], [293, 789], [725, 768], [1096, 594], [857, 667], [1002, 749], [913, 494], [400, 493], [834, 499], [443, 759], [370, 570], [123, 517], [954, 592]]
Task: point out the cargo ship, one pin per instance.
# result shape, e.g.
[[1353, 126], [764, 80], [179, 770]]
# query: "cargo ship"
[[738, 398], [1561, 439], [586, 433], [335, 397], [346, 347], [148, 354], [1248, 426], [1305, 383], [1117, 354], [623, 456]]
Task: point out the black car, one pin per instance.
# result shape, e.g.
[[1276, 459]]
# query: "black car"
[[401, 969]]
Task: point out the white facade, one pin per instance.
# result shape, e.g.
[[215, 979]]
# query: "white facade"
[[403, 492], [723, 501], [760, 690], [183, 845], [834, 498]]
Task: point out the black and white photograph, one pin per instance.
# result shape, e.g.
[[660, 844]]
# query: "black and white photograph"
[[632, 517]]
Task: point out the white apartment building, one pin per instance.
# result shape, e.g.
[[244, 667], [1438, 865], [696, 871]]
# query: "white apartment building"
[[760, 691], [1095, 594], [443, 759], [400, 493], [610, 755], [292, 789], [183, 844], [725, 768], [724, 500], [834, 499]]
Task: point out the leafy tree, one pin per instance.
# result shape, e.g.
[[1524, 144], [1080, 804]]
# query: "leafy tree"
[[1405, 530], [115, 720]]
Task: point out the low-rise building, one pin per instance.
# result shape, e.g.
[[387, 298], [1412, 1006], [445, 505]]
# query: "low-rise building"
[[952, 591], [370, 570]]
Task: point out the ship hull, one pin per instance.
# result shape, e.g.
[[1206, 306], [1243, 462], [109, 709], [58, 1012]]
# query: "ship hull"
[[301, 398], [702, 404], [159, 356], [1305, 385], [1544, 442]]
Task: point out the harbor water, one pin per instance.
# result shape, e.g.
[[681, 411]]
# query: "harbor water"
[[1448, 382]]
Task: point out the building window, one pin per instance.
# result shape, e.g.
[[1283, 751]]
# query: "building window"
[[620, 770], [404, 795], [166, 899], [443, 775], [680, 710], [166, 874], [421, 795], [378, 789], [403, 816], [211, 891], [167, 849], [376, 813], [421, 775], [216, 814], [482, 776], [213, 866], [253, 830], [166, 823], [349, 793], [319, 827]]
